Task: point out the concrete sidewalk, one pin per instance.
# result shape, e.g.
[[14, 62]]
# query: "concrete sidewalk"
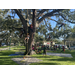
[[60, 54]]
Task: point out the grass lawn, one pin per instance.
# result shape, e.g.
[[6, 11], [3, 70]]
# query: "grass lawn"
[[5, 59], [4, 46], [47, 60], [56, 60]]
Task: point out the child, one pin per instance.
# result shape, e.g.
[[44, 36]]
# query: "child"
[[44, 50]]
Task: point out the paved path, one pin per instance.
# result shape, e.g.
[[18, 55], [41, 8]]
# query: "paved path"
[[60, 54], [28, 60]]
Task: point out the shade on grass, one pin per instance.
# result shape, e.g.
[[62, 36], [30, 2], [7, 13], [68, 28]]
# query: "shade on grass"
[[15, 54], [56, 60], [5, 59], [47, 60]]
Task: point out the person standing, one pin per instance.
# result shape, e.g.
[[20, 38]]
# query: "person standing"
[[59, 47], [56, 47], [44, 50], [64, 48]]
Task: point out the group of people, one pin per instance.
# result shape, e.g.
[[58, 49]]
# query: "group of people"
[[59, 47], [43, 47], [55, 47]]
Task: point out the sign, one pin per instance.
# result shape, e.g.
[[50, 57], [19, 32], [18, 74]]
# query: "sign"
[[48, 43]]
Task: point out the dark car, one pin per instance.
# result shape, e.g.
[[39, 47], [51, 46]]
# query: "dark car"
[[72, 47]]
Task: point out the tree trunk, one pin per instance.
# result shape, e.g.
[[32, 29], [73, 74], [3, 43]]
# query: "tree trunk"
[[32, 33], [30, 42], [0, 43], [24, 22], [45, 36]]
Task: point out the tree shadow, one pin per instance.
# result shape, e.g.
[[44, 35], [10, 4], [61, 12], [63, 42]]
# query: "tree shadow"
[[45, 63], [19, 49], [57, 58], [41, 56], [6, 61], [63, 59]]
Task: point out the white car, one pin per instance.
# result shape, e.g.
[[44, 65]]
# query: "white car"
[[5, 45], [66, 47], [72, 47]]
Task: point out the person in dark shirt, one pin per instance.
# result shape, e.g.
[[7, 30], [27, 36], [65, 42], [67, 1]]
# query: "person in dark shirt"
[[56, 47], [59, 47], [44, 50]]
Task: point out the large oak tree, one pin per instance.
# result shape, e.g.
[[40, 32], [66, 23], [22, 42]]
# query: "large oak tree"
[[37, 16]]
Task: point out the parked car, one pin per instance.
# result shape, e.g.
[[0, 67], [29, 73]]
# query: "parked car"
[[66, 47], [72, 47], [5, 45]]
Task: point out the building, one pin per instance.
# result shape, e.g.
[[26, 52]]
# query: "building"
[[70, 43]]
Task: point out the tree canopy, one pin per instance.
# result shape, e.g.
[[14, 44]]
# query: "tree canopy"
[[10, 24]]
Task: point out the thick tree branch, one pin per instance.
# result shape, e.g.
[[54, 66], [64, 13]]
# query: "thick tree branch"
[[24, 22], [19, 14], [48, 15], [41, 12], [34, 20], [45, 23], [56, 21], [65, 18], [17, 29]]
